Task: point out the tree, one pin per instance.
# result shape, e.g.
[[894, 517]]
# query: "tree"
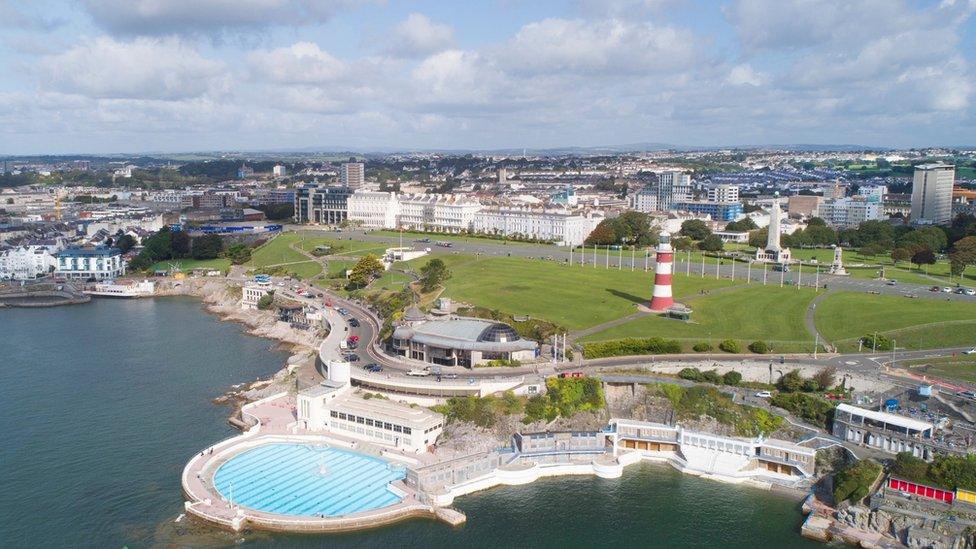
[[730, 346], [900, 254], [266, 301], [695, 229], [826, 378], [180, 244], [602, 234], [125, 242], [712, 243], [744, 224], [816, 222], [238, 253], [433, 274], [365, 270], [681, 243], [759, 347], [758, 238], [207, 246], [791, 382], [923, 256], [962, 254], [933, 238]]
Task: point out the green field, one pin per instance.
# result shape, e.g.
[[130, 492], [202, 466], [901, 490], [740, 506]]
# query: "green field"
[[772, 314], [574, 297], [961, 367], [340, 246], [186, 265], [277, 251], [845, 317]]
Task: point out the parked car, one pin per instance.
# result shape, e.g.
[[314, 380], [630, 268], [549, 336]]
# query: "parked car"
[[947, 290], [935, 289], [970, 351], [352, 358], [373, 367], [354, 322], [969, 291], [764, 394], [891, 282]]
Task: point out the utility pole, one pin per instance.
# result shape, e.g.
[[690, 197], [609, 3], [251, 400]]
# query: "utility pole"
[[874, 344], [688, 264], [608, 256], [749, 273], [646, 259], [799, 276], [703, 265], [633, 252], [816, 280], [718, 263], [570, 256], [816, 344], [733, 270], [764, 273], [782, 274]]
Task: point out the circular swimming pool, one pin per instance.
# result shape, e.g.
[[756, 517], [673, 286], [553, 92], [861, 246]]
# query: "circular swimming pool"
[[307, 480]]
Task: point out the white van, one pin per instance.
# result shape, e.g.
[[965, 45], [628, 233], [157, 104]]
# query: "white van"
[[418, 373]]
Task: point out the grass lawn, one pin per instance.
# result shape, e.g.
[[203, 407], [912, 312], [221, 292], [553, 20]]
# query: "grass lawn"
[[573, 297], [341, 246], [747, 314], [845, 317], [220, 264], [961, 367], [277, 251]]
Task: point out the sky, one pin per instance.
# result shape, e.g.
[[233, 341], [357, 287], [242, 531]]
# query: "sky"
[[132, 76]]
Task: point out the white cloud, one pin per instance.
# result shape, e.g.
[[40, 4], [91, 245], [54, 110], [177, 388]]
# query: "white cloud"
[[300, 63], [744, 74], [418, 36], [612, 45], [157, 17], [144, 68]]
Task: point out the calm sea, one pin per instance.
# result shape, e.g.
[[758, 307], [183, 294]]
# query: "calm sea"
[[102, 404]]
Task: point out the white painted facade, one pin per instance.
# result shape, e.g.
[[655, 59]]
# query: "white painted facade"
[[723, 193], [437, 212], [559, 226], [374, 209], [848, 213], [85, 263], [26, 262]]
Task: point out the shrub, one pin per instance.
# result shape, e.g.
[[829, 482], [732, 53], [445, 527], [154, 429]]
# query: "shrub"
[[691, 374], [813, 409], [759, 347], [265, 302], [882, 341], [791, 382], [632, 346], [854, 482], [702, 347], [730, 346], [712, 376], [732, 378]]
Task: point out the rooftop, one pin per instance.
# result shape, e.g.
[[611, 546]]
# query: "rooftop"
[[99, 251], [387, 411], [893, 419], [466, 333]]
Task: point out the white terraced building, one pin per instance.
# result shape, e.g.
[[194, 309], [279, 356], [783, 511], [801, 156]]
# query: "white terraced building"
[[27, 262], [559, 226], [437, 212], [373, 209]]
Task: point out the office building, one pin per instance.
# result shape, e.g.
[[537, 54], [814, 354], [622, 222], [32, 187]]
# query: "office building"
[[672, 187], [321, 205], [352, 175], [723, 193], [932, 194], [718, 211], [848, 213], [279, 171]]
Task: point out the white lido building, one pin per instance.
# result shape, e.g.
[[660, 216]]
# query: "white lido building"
[[334, 406], [559, 226], [99, 263]]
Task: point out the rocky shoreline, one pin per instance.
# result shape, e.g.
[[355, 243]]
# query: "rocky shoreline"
[[223, 300]]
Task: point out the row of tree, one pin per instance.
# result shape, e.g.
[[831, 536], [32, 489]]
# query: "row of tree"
[[167, 244]]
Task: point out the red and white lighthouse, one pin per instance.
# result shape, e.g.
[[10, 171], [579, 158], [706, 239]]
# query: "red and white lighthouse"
[[661, 298]]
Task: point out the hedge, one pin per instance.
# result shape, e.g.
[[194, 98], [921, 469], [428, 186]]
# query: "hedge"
[[730, 346], [632, 346]]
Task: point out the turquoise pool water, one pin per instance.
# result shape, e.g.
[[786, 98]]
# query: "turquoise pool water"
[[307, 480]]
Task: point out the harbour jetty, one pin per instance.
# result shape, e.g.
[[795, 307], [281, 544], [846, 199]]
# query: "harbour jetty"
[[41, 295]]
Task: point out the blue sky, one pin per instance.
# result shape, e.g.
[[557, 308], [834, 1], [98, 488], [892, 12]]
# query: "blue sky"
[[103, 76]]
